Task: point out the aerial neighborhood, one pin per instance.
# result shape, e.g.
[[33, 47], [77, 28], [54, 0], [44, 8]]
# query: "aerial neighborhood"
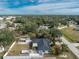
[[39, 37]]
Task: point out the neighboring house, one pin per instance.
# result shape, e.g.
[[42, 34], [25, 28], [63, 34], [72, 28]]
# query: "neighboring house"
[[77, 27], [1, 18], [10, 17], [24, 40], [1, 48], [17, 24], [2, 25], [71, 23], [11, 28], [43, 27]]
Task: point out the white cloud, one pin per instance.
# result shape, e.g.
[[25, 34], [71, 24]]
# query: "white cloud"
[[52, 6], [66, 8]]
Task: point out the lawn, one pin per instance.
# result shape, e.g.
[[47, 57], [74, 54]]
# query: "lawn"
[[69, 56], [17, 48], [6, 48], [1, 55], [78, 47], [71, 34]]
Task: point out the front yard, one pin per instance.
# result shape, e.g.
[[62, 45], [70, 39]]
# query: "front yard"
[[69, 56], [71, 34]]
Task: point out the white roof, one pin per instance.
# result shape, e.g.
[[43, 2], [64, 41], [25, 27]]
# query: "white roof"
[[35, 55], [35, 44], [10, 17], [1, 18], [28, 41], [22, 39], [57, 43], [2, 26]]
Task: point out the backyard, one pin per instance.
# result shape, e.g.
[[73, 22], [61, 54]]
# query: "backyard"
[[71, 34], [17, 48]]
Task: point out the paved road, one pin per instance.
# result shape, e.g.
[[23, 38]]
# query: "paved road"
[[74, 50], [75, 44]]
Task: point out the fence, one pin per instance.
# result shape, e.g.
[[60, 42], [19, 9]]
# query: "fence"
[[16, 57]]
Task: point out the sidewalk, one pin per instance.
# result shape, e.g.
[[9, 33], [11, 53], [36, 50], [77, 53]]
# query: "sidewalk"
[[74, 50]]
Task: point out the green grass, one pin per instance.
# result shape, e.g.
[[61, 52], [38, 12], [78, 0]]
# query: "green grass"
[[17, 49], [71, 34], [78, 47], [69, 56], [1, 55]]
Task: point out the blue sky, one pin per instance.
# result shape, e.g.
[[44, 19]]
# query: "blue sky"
[[39, 7]]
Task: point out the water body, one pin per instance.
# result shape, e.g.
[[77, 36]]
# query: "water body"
[[43, 44]]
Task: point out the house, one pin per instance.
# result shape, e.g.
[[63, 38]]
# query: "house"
[[1, 48], [17, 24], [76, 27], [71, 23], [35, 45], [21, 51], [1, 18], [10, 17], [42, 27], [11, 28], [24, 40], [41, 44], [2, 25]]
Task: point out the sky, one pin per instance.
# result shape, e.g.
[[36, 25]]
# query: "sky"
[[39, 7]]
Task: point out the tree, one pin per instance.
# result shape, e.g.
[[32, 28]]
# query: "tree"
[[54, 34], [57, 50], [6, 37], [44, 33], [64, 47]]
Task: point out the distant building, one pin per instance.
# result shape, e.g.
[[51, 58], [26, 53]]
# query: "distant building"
[[71, 23], [1, 18], [77, 27], [1, 48], [2, 25], [10, 17], [43, 27]]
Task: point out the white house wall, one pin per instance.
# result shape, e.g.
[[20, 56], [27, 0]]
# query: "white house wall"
[[16, 57]]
